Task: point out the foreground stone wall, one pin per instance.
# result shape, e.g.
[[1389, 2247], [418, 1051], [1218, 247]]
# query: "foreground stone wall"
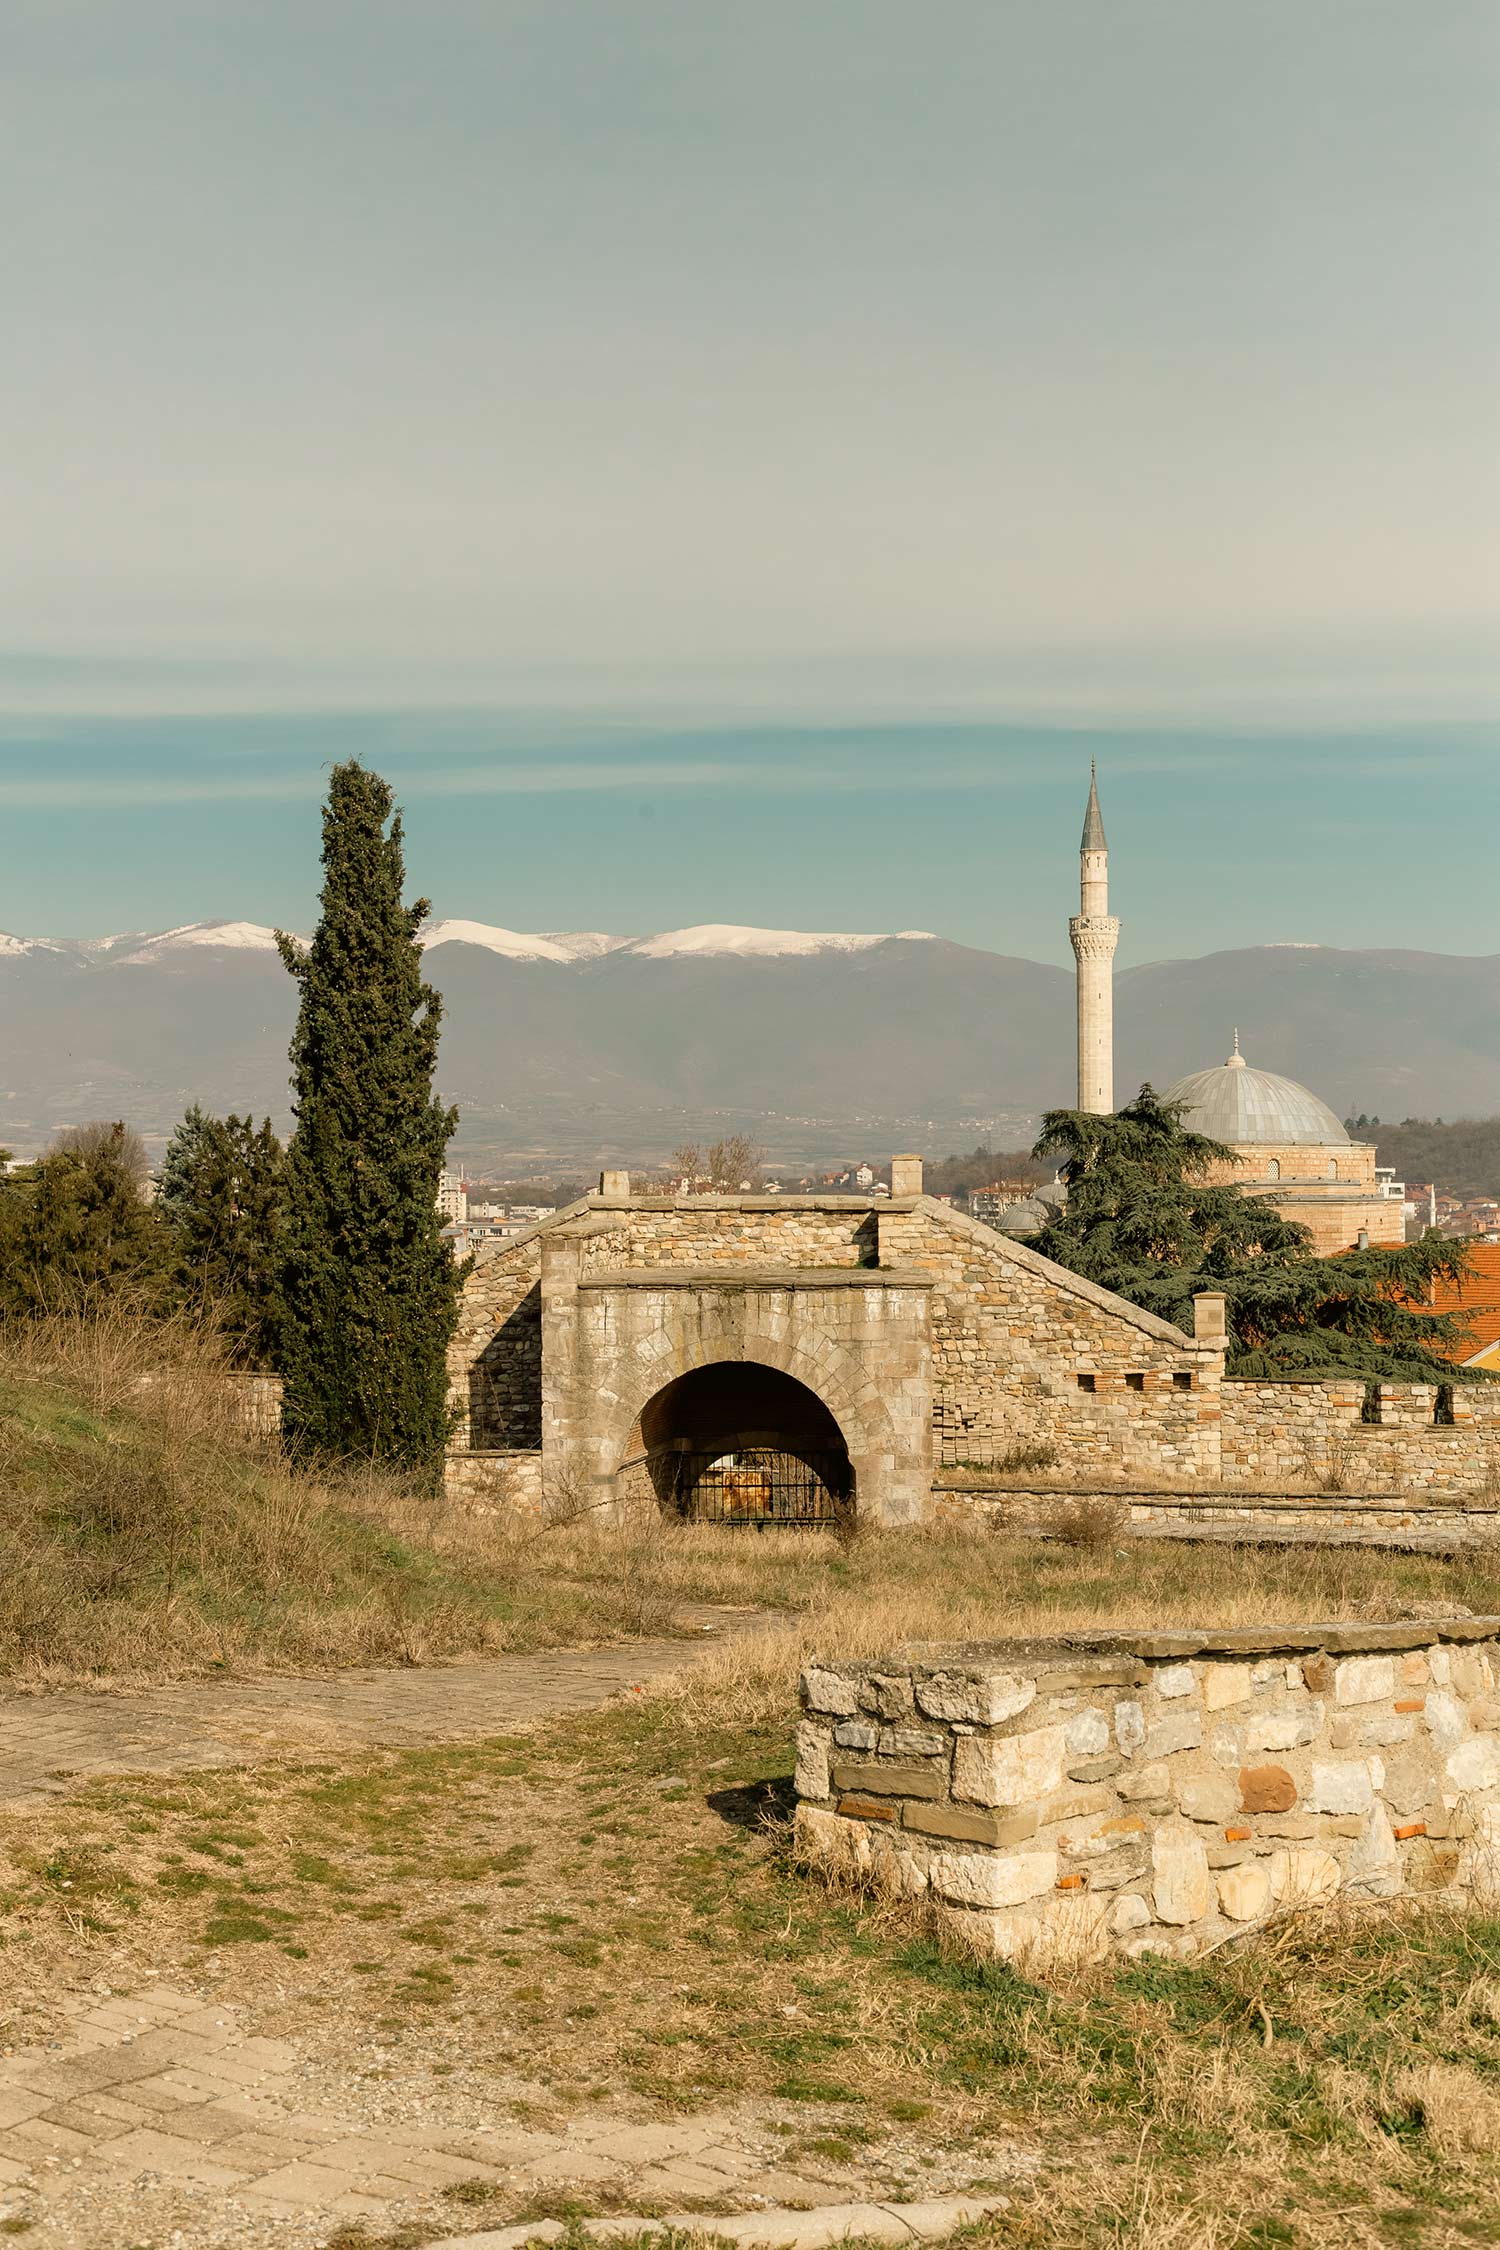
[[1421, 1522], [1155, 1792]]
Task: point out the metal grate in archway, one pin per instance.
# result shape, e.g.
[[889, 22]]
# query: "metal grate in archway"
[[761, 1486]]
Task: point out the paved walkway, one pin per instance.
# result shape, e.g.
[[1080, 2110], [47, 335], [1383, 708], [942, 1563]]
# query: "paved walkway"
[[155, 2118], [48, 1743]]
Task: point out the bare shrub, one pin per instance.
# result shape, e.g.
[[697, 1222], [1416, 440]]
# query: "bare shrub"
[[1095, 1522]]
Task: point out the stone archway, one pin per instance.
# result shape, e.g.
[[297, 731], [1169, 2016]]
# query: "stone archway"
[[737, 1442]]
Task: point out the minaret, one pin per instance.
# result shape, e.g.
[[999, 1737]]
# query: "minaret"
[[1095, 933]]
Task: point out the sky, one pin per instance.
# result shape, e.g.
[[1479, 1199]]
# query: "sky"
[[739, 464]]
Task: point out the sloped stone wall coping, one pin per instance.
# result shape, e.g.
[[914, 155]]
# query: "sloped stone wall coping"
[[840, 1203], [1239, 1496], [757, 1277], [977, 1659]]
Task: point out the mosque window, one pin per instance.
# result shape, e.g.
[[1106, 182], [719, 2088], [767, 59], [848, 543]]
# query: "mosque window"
[[1333, 1167], [1086, 1383], [1273, 1169]]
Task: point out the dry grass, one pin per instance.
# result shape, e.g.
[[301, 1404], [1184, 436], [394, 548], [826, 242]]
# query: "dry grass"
[[145, 1535]]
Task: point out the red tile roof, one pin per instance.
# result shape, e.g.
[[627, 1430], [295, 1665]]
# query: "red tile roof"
[[1477, 1303]]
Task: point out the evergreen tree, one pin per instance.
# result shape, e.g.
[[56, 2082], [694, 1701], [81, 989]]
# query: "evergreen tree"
[[85, 1230], [369, 1289], [219, 1191], [1141, 1219]]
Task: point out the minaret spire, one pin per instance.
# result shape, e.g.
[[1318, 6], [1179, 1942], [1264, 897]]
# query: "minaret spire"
[[1095, 933]]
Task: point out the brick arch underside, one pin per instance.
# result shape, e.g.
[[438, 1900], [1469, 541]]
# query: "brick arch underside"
[[830, 1370]]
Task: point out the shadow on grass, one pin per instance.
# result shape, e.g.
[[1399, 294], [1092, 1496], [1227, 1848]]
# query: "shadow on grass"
[[758, 1804]]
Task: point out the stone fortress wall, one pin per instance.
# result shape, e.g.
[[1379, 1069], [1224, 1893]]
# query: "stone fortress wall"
[[1008, 1363], [1156, 1792]]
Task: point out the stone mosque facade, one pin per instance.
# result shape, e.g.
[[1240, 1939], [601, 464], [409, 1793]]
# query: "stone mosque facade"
[[754, 1359]]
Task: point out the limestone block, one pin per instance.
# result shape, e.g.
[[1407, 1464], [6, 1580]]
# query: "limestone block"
[[1374, 1865], [1012, 1769], [1174, 1680], [1154, 1780], [1440, 1665], [1475, 1764], [910, 1742], [1226, 1746], [1446, 1719], [1181, 1886], [1408, 1781], [855, 1734], [1414, 1669], [1341, 1788], [1072, 1927], [1087, 1734], [1245, 1892], [1129, 1912], [824, 1691], [1213, 1798], [812, 1761], [1224, 1684], [1303, 1878], [1272, 1730], [1364, 1679], [894, 1871], [1130, 1727], [1182, 1731], [893, 1696], [980, 1703], [838, 1847], [991, 1879]]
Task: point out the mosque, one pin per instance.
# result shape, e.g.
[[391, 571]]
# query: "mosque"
[[1290, 1146]]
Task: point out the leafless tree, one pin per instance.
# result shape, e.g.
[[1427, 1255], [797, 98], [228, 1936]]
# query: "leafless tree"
[[99, 1138]]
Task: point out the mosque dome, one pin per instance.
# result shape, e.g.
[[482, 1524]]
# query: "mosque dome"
[[1243, 1107]]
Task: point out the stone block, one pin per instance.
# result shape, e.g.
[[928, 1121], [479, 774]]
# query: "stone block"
[[910, 1742], [1130, 1727], [1175, 1680], [1129, 1912], [1245, 1892], [888, 1781], [1267, 1789], [1374, 1865], [1364, 1679], [856, 1734], [1181, 1887], [965, 1825], [1182, 1730], [1341, 1788], [1210, 1798], [982, 1702], [1087, 1734], [1273, 1730], [1303, 1878], [1475, 1764], [1447, 1721], [853, 1806], [992, 1880], [838, 1847], [1096, 1769], [811, 1779], [1224, 1684], [1148, 1782], [1009, 1769], [825, 1691], [894, 1698]]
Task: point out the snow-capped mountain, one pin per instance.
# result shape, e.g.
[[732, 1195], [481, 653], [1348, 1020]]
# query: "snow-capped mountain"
[[575, 1042]]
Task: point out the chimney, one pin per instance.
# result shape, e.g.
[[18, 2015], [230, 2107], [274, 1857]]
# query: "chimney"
[[1209, 1325], [906, 1175], [614, 1186]]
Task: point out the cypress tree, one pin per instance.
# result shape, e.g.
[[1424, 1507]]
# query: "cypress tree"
[[369, 1289]]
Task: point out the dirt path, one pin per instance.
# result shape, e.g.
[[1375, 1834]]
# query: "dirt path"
[[49, 1743]]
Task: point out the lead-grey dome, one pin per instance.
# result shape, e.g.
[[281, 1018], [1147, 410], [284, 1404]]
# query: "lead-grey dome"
[[1243, 1107]]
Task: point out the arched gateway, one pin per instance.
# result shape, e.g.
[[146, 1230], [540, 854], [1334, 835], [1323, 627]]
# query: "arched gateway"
[[739, 1443], [855, 1342]]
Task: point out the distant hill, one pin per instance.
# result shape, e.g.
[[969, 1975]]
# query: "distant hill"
[[1459, 1159], [577, 1046]]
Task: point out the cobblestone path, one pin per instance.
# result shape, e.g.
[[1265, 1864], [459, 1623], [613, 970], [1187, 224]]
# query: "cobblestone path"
[[48, 1743], [154, 2118]]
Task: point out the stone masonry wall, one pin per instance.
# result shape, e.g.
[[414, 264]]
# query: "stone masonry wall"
[[1027, 1360], [1154, 1792], [1317, 1431]]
